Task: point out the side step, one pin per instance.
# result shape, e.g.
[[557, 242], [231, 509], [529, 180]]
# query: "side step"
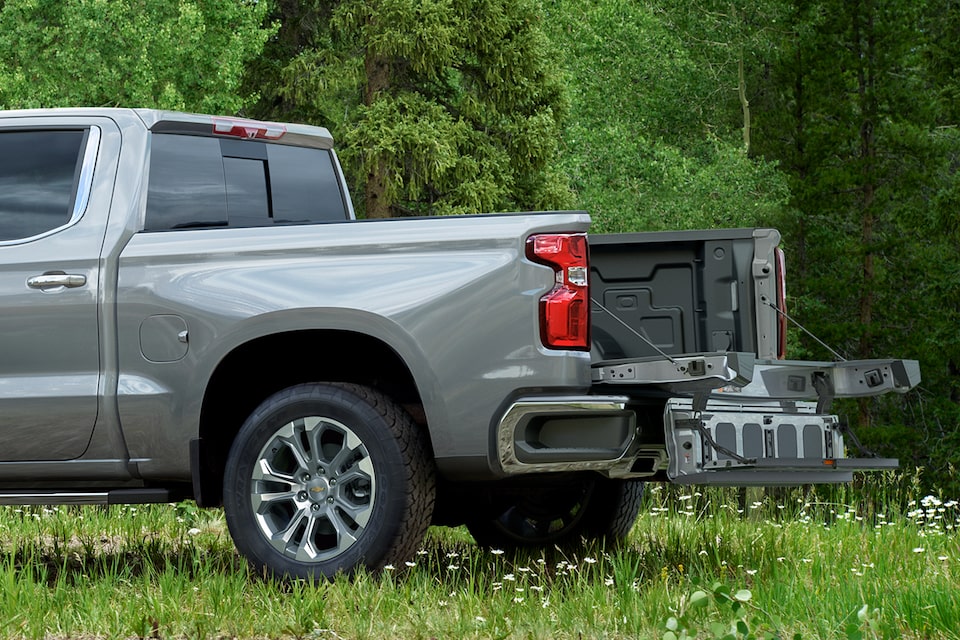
[[112, 496]]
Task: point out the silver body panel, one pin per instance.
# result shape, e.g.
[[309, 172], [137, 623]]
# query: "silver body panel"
[[454, 298]]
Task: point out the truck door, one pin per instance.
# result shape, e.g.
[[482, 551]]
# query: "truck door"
[[49, 287]]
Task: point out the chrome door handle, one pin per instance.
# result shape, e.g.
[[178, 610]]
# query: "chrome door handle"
[[51, 280]]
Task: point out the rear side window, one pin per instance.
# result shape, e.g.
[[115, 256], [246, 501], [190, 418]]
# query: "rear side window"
[[39, 173], [303, 181], [186, 184], [199, 182]]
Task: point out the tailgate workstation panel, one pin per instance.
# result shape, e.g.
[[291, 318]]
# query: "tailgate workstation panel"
[[742, 422]]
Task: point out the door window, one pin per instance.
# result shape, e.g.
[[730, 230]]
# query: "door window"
[[40, 172]]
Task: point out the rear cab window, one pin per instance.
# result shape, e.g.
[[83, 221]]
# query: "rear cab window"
[[198, 182]]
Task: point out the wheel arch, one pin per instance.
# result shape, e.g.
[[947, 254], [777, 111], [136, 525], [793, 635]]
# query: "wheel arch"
[[255, 370]]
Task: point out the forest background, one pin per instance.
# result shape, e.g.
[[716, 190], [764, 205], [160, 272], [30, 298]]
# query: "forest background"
[[834, 121]]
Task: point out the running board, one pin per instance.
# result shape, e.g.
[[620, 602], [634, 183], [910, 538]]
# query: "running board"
[[113, 496]]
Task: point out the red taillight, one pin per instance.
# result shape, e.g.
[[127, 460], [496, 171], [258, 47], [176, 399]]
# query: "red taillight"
[[565, 311], [781, 305], [248, 129]]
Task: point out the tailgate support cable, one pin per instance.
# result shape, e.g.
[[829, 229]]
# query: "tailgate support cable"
[[862, 450], [804, 329]]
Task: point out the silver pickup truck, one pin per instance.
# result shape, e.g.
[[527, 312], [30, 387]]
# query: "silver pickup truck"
[[189, 309]]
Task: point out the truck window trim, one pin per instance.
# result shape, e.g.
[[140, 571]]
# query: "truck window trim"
[[82, 181]]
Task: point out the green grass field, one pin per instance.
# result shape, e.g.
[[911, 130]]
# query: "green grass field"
[[829, 563]]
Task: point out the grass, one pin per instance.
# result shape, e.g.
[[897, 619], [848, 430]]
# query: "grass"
[[828, 563]]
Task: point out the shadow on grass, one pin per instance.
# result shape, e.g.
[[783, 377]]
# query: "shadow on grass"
[[51, 563]]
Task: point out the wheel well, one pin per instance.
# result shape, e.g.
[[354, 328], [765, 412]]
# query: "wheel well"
[[252, 372]]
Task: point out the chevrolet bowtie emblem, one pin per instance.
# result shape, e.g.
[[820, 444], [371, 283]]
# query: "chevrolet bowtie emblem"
[[316, 489]]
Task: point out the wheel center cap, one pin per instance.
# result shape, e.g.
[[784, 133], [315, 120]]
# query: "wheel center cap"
[[318, 490]]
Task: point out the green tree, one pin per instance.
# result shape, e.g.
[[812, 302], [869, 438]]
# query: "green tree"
[[442, 106], [850, 128], [856, 115], [652, 142], [171, 54]]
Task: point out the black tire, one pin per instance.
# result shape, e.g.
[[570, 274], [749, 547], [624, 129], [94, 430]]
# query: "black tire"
[[325, 479], [566, 512]]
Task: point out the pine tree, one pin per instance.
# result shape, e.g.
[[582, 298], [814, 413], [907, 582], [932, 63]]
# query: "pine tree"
[[442, 106]]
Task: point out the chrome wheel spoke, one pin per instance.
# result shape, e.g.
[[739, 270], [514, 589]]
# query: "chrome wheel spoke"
[[295, 447], [340, 459], [263, 502], [345, 537], [306, 550], [361, 470], [282, 537], [359, 513], [265, 472], [314, 436]]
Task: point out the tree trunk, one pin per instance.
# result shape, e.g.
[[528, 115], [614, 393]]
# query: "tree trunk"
[[377, 69], [744, 103], [864, 38]]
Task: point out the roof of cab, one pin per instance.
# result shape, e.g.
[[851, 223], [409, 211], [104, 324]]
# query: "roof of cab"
[[301, 135]]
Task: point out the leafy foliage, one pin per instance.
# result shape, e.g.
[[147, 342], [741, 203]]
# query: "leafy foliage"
[[441, 107], [646, 146], [170, 54], [849, 118]]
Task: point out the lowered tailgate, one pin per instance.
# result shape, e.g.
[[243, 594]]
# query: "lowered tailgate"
[[688, 322]]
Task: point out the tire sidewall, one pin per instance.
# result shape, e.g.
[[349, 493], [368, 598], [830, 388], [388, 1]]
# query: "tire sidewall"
[[346, 407]]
